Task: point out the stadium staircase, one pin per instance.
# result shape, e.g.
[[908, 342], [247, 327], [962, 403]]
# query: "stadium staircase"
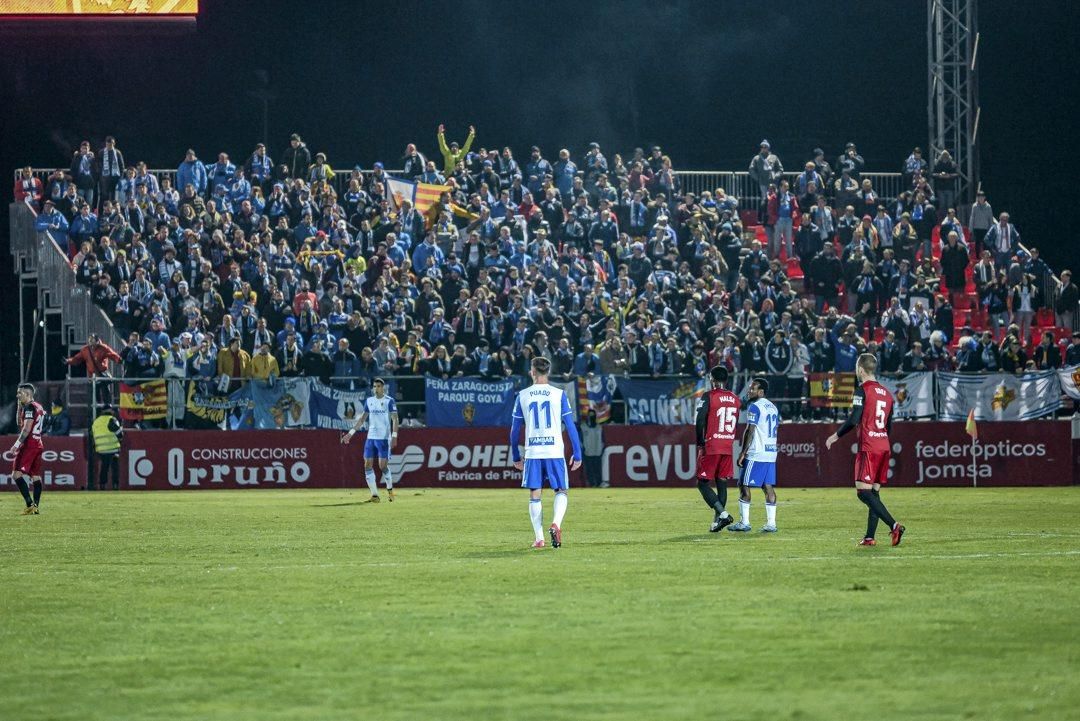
[[43, 265]]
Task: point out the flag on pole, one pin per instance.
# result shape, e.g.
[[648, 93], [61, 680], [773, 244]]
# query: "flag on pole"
[[970, 427]]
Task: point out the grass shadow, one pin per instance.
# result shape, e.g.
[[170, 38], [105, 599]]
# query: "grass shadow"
[[500, 553], [340, 505], [692, 538]]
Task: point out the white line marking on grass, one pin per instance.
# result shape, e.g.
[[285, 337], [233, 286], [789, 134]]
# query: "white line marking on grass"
[[936, 557], [914, 557]]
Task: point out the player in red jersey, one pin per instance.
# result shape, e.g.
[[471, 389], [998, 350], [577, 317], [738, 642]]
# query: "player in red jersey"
[[28, 449], [871, 413], [717, 414]]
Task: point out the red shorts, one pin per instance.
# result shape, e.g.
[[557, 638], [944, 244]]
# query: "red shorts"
[[872, 467], [28, 460], [713, 466]]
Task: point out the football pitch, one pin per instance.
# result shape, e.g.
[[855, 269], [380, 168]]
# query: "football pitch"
[[268, 605]]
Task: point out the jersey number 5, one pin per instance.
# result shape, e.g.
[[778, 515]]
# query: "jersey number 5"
[[880, 419], [727, 417]]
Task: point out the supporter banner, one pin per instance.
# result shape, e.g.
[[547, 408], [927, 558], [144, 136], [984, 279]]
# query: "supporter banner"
[[63, 465], [660, 402], [285, 403], [913, 394], [998, 396], [595, 394], [144, 402], [338, 409], [1069, 378], [205, 409], [923, 454], [831, 390], [461, 402]]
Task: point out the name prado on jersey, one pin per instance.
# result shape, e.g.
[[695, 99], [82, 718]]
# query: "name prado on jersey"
[[543, 411]]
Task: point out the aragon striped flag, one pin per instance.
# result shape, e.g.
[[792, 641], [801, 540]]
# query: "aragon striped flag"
[[427, 195], [831, 390], [427, 202], [143, 402]]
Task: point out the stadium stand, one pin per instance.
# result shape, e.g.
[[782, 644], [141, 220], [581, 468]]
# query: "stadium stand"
[[602, 265]]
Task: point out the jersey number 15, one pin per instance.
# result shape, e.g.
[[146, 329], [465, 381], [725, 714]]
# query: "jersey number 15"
[[727, 417]]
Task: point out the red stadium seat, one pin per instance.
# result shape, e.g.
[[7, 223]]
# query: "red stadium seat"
[[1044, 318]]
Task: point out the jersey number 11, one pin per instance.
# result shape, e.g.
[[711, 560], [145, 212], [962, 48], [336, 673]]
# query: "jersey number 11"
[[534, 410]]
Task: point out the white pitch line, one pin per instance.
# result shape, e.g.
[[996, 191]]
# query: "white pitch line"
[[900, 556], [896, 557]]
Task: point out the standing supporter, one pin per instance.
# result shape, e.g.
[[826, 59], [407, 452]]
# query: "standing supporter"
[[980, 219], [296, 159], [1066, 298], [84, 172], [111, 168], [28, 189], [96, 357]]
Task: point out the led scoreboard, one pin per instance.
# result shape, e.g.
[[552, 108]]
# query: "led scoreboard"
[[74, 9]]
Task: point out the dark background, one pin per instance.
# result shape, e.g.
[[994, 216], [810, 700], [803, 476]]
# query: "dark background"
[[706, 80]]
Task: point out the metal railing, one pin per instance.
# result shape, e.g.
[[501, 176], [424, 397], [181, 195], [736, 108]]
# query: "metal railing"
[[410, 396], [736, 183]]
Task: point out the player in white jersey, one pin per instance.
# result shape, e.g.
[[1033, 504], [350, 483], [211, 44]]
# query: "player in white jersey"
[[543, 411], [758, 456], [380, 413]]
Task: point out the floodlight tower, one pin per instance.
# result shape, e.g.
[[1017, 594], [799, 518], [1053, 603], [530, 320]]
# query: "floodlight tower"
[[952, 38]]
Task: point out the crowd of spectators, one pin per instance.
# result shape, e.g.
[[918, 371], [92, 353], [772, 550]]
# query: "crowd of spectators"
[[600, 263]]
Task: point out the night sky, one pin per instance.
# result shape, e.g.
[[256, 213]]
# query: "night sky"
[[705, 80]]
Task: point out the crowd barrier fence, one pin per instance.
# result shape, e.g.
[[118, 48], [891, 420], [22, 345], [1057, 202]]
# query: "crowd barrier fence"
[[467, 401], [736, 183]]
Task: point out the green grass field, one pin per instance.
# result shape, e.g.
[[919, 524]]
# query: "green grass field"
[[267, 605]]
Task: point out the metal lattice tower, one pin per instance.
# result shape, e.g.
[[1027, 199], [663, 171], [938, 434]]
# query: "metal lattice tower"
[[952, 34]]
